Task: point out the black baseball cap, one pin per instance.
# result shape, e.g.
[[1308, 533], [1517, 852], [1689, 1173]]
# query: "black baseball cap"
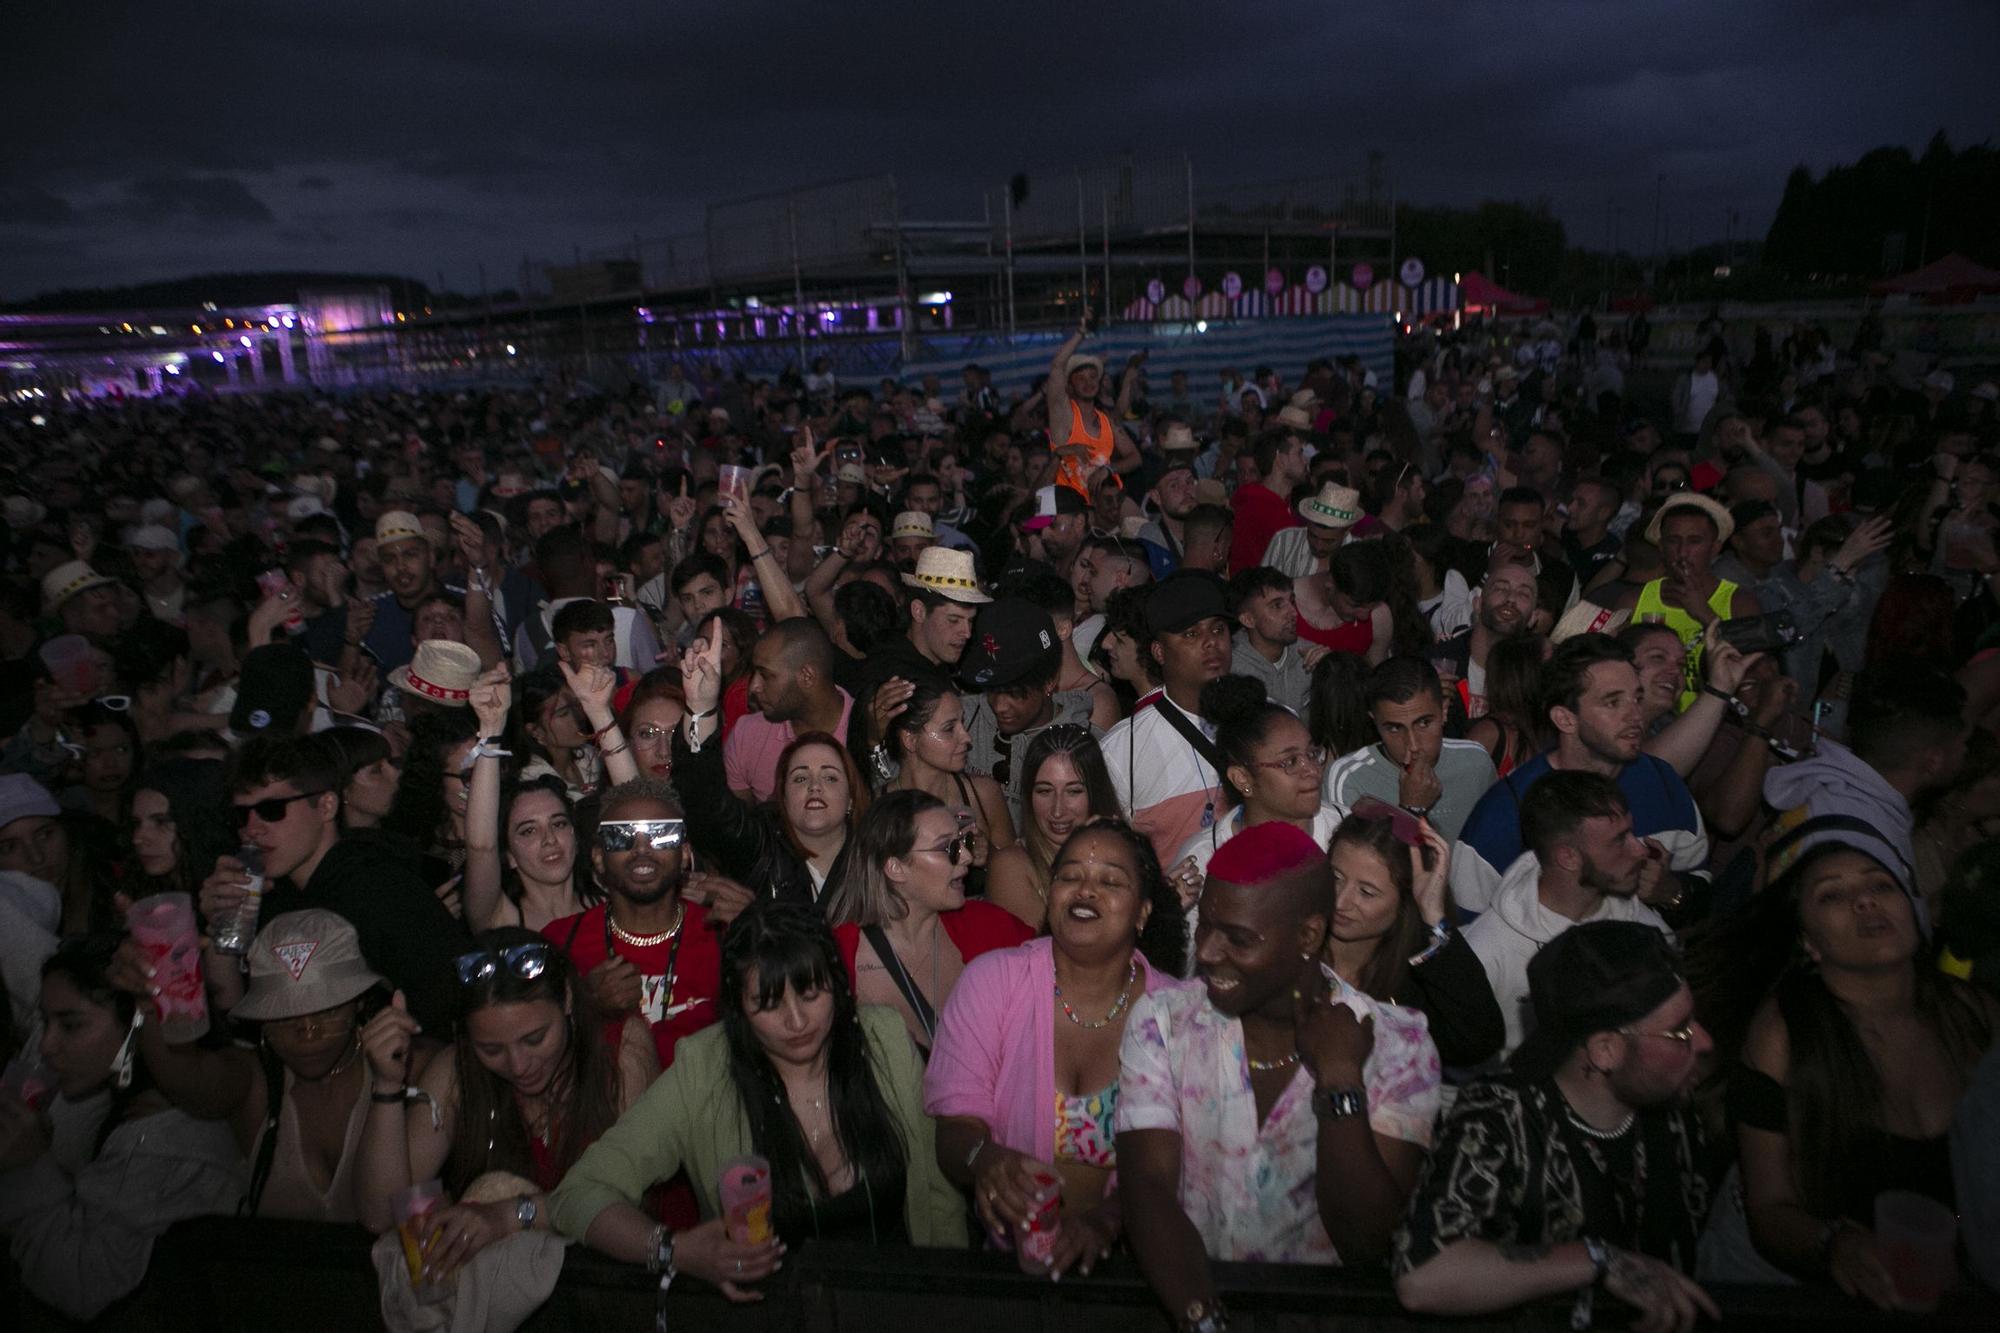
[[272, 689], [1185, 598], [1596, 977], [1010, 639]]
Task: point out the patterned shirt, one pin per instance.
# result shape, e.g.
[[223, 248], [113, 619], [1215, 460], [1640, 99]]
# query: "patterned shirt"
[[1510, 1169], [1248, 1188]]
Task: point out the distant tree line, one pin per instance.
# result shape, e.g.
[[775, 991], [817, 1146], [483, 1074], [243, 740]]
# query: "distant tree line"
[[1889, 213]]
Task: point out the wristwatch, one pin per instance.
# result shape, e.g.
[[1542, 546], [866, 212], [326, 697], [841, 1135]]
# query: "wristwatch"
[[1600, 1258], [1209, 1317], [1334, 1103], [525, 1211]]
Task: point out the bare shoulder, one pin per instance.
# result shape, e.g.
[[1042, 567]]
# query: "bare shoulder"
[[1767, 1046]]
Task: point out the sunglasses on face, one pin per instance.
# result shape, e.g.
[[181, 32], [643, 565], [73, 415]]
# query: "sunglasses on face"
[[954, 851], [272, 809], [622, 835], [526, 961], [1684, 1034]]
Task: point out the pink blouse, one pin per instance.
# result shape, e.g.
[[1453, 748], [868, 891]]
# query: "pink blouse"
[[995, 1056]]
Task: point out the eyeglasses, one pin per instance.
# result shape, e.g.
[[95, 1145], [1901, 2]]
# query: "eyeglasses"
[[307, 1027], [526, 961], [621, 835], [653, 734], [1311, 757], [954, 851], [1684, 1034], [272, 808]]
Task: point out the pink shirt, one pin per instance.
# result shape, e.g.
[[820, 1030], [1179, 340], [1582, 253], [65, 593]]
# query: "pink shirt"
[[750, 754], [1248, 1188], [995, 1056]]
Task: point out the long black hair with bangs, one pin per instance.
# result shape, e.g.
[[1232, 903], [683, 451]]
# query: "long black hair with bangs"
[[774, 946]]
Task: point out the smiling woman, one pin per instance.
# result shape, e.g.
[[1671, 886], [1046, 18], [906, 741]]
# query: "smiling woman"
[[1039, 1026]]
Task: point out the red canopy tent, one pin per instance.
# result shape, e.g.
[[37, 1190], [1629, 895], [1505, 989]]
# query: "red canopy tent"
[[1951, 279], [1480, 292]]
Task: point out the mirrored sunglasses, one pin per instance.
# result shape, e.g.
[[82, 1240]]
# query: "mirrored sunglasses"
[[526, 961], [621, 835]]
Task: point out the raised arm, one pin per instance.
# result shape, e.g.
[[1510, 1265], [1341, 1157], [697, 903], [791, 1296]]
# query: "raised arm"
[[205, 1082], [806, 462], [482, 634], [1056, 387], [492, 695], [399, 1145], [593, 687], [779, 596], [1683, 741]]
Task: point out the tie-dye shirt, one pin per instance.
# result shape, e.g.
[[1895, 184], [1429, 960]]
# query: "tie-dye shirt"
[[1249, 1188]]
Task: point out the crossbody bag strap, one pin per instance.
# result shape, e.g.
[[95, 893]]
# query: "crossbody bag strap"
[[1178, 720], [878, 940]]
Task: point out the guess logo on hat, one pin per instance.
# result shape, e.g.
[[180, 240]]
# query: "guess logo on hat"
[[296, 956]]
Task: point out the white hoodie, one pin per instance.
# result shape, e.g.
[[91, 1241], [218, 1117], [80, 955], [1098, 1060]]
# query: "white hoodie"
[[1509, 932]]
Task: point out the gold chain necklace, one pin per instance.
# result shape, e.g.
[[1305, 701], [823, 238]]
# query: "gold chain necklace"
[[648, 941], [1266, 1066]]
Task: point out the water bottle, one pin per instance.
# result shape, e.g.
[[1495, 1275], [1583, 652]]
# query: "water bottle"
[[232, 932]]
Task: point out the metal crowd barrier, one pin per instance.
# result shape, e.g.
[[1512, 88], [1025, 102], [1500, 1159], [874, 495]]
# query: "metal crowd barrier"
[[221, 1275]]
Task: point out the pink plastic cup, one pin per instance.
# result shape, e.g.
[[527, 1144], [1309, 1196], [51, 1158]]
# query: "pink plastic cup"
[[1919, 1237], [746, 1200], [72, 662], [164, 927], [1036, 1246]]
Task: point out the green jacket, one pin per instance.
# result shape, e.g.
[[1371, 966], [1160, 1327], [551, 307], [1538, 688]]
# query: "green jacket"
[[691, 1117]]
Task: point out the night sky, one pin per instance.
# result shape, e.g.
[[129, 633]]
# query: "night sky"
[[155, 141]]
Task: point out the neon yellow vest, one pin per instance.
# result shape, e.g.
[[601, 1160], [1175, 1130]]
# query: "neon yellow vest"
[[1684, 625]]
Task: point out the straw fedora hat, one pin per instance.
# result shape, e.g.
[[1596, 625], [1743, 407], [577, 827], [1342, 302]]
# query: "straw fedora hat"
[[1725, 524], [1336, 506], [67, 580], [441, 671], [949, 574], [913, 523]]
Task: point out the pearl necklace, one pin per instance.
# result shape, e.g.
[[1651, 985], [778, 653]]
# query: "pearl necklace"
[[647, 941], [1117, 1006]]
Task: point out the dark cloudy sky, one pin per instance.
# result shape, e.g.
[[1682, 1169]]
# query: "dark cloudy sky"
[[154, 141]]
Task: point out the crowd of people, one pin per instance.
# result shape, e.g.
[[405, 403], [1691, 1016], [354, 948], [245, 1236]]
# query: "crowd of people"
[[1444, 824]]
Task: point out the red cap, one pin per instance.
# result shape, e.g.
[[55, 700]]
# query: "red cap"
[[1264, 852]]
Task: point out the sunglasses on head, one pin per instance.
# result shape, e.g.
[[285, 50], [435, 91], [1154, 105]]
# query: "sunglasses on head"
[[272, 808], [526, 961], [622, 835], [1403, 826]]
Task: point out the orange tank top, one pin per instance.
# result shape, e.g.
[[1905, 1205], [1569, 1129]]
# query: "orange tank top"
[[1074, 472]]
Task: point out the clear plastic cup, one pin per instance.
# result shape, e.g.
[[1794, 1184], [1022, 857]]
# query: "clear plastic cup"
[[233, 931], [1919, 1239], [164, 927], [734, 480], [412, 1209], [29, 1081], [72, 662], [746, 1200], [1036, 1246]]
